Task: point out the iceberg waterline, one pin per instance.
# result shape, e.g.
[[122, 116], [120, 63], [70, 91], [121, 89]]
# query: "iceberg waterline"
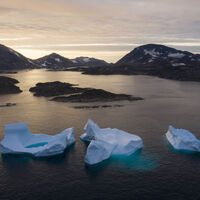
[[19, 140]]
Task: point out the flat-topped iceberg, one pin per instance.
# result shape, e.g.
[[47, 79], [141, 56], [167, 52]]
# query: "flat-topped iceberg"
[[106, 142], [18, 140], [182, 139]]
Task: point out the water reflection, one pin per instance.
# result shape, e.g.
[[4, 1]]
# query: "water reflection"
[[13, 160]]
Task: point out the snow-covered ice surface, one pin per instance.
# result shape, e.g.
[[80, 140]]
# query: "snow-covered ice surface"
[[18, 140], [106, 142], [182, 139]]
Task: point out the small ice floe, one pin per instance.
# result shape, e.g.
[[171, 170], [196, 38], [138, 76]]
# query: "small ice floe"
[[181, 139]]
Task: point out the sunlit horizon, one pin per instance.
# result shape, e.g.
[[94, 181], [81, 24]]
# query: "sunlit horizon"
[[76, 28], [38, 51]]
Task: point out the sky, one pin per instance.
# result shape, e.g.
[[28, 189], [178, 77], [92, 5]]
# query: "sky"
[[105, 29]]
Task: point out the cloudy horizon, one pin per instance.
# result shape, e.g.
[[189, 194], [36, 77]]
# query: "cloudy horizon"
[[105, 29]]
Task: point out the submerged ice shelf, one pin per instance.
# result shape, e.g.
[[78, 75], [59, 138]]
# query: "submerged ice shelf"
[[107, 142], [181, 139], [18, 140]]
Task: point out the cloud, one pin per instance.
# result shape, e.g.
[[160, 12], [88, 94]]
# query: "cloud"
[[49, 22]]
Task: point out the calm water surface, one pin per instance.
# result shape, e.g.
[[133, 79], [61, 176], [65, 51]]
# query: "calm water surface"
[[157, 172]]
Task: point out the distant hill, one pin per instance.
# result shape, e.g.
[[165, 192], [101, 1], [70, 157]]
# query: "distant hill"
[[10, 59], [90, 62], [153, 54], [54, 61], [157, 60]]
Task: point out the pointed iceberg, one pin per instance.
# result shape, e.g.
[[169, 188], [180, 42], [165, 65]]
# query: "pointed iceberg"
[[107, 142], [182, 139], [18, 140]]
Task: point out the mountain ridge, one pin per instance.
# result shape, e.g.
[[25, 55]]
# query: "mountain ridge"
[[157, 60], [11, 60], [150, 59]]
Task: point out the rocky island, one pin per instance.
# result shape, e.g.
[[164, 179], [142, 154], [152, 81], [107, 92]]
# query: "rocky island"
[[7, 85], [7, 105], [95, 95], [55, 88], [76, 94]]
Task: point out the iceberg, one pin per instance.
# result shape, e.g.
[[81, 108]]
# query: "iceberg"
[[18, 140], [181, 139], [107, 142]]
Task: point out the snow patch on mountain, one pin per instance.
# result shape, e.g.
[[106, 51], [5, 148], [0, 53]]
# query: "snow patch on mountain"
[[178, 64], [11, 50], [86, 59], [152, 52], [58, 60], [176, 55], [30, 61]]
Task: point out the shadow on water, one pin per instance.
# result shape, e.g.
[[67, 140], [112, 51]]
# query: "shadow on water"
[[139, 161], [97, 169]]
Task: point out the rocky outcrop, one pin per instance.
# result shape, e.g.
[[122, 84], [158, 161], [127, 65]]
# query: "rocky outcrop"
[[76, 94], [55, 88]]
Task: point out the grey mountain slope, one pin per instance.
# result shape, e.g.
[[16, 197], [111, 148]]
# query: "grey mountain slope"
[[54, 61], [10, 59], [156, 60]]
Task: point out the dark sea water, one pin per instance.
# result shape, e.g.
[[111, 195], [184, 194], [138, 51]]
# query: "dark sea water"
[[157, 172]]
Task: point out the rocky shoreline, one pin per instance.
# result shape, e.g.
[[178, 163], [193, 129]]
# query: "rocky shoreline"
[[7, 85]]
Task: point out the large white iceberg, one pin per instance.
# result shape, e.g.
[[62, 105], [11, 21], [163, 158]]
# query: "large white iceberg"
[[18, 140], [182, 139], [107, 142]]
